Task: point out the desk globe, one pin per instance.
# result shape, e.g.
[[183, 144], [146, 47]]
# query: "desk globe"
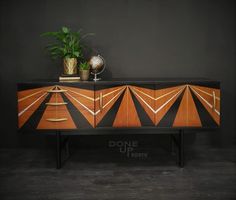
[[97, 64]]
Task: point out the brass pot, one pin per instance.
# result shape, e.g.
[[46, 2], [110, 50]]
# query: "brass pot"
[[84, 75], [70, 66]]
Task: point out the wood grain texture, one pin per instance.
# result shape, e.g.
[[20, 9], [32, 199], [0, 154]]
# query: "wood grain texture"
[[207, 102], [169, 97], [83, 101], [144, 94], [89, 94], [187, 115], [127, 115], [132, 115], [25, 94], [161, 95], [207, 93], [109, 98], [28, 98], [121, 118], [84, 105], [27, 107], [156, 103]]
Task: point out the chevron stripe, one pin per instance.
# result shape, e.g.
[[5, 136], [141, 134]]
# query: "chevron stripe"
[[157, 98], [163, 105]]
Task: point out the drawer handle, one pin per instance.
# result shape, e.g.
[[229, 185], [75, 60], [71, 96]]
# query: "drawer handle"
[[56, 104], [100, 100], [56, 91], [56, 119], [214, 100]]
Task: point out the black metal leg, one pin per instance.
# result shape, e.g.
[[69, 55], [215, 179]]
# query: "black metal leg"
[[181, 148], [58, 150], [172, 144], [66, 146]]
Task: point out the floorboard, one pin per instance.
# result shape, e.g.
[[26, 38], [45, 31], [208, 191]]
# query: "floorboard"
[[30, 174]]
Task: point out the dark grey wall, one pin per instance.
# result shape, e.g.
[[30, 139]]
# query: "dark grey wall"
[[138, 38]]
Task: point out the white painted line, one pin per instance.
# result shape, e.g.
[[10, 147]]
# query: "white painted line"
[[89, 98], [19, 114], [92, 99], [90, 111], [31, 95], [81, 103], [105, 95], [177, 94], [155, 90], [211, 106], [163, 105], [205, 92], [113, 98]]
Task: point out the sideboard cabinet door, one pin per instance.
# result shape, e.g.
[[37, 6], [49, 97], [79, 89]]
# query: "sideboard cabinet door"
[[195, 104], [122, 105], [109, 110], [204, 98], [55, 107]]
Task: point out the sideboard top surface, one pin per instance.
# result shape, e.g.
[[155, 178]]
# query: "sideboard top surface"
[[126, 81]]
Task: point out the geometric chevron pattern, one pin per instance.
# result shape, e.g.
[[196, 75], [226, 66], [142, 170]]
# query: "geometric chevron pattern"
[[74, 107]]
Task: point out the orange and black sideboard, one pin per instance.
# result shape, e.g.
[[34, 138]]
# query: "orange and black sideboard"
[[176, 104]]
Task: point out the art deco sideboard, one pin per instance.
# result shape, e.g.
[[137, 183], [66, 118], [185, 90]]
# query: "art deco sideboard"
[[134, 103]]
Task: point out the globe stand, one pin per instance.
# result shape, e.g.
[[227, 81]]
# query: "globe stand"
[[98, 65], [95, 77]]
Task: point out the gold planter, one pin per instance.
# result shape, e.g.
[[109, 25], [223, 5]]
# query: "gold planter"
[[70, 66], [84, 75]]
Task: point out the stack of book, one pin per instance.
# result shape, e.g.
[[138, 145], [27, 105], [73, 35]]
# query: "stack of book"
[[69, 78]]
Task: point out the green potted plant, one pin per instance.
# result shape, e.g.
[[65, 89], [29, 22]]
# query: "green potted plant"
[[84, 71], [67, 46]]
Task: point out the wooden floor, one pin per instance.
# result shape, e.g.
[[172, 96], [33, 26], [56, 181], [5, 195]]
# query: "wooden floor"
[[30, 174]]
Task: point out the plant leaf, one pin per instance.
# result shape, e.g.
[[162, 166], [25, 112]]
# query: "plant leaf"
[[65, 29]]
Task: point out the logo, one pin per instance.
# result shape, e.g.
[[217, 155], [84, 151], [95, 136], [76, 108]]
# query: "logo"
[[129, 148]]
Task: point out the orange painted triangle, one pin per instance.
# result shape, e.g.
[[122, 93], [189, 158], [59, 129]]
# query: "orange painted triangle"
[[133, 118], [187, 114], [127, 115], [193, 116]]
